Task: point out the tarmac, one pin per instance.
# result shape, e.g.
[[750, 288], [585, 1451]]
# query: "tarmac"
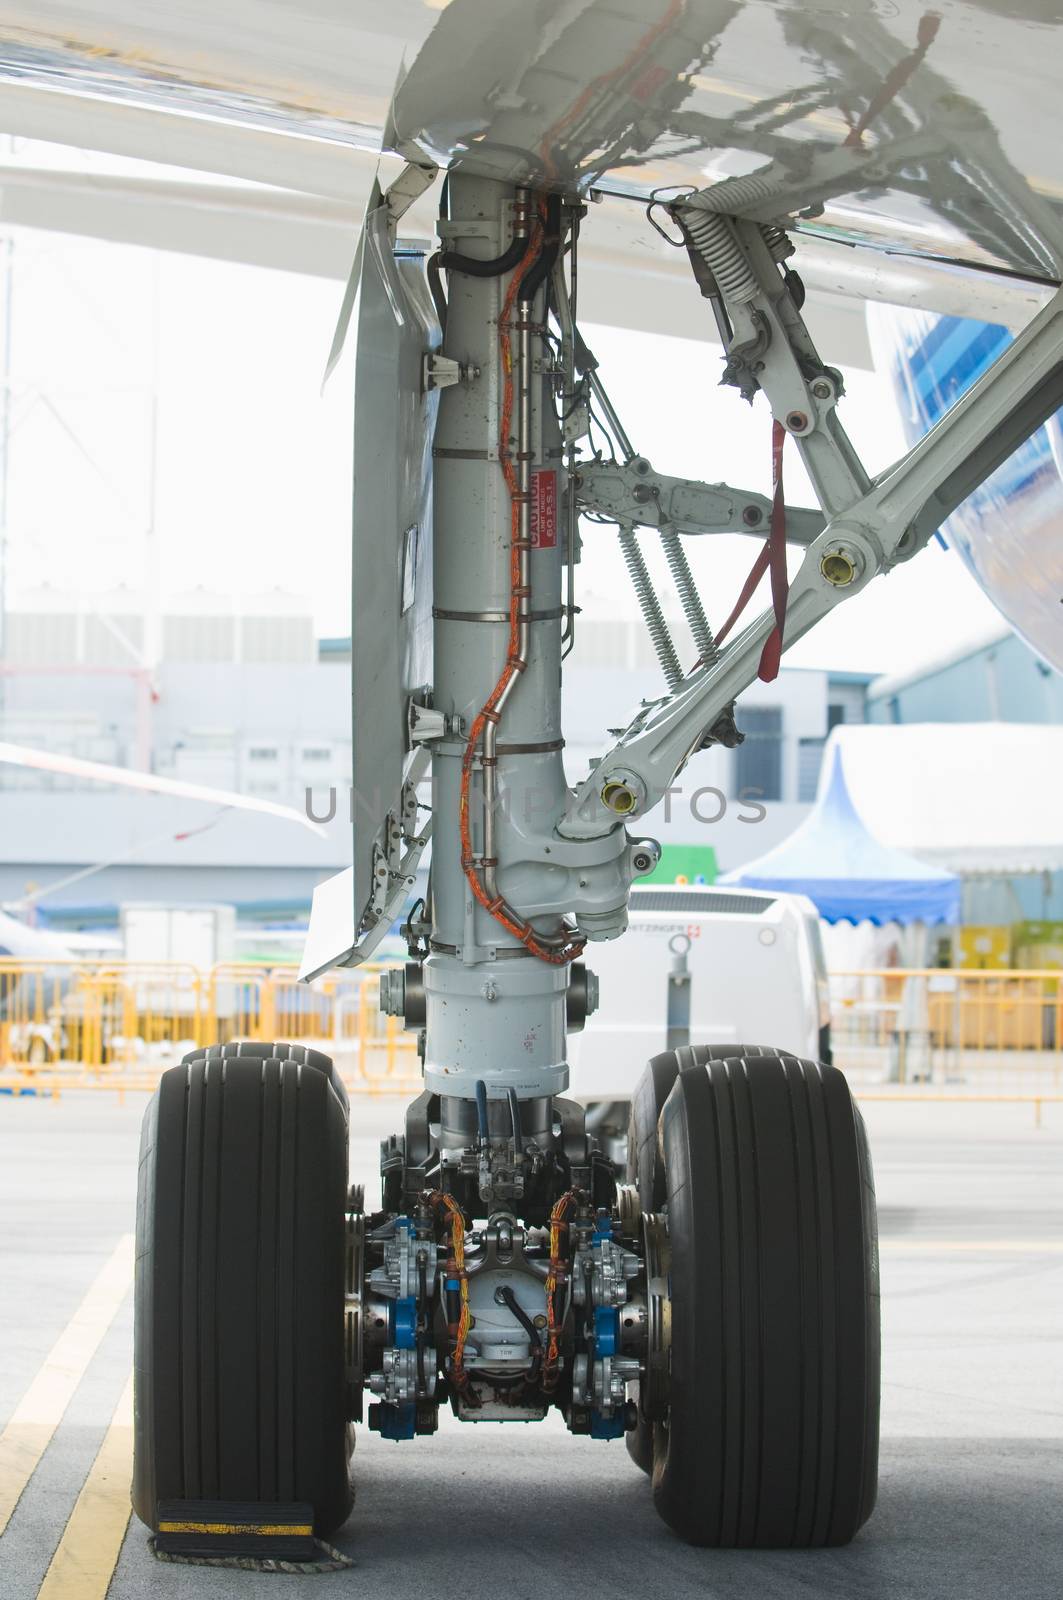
[[971, 1491]]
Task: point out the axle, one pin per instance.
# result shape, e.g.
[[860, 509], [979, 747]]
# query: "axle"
[[507, 1318]]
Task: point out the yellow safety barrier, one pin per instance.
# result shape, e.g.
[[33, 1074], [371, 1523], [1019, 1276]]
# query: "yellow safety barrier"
[[937, 1025], [120, 1023], [80, 1024]]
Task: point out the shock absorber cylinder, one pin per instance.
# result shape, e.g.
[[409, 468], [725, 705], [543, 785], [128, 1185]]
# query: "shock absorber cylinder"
[[494, 1011]]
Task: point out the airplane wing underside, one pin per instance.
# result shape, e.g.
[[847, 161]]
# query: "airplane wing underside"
[[904, 126]]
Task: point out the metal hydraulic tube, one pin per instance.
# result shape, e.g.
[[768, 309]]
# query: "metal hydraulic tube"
[[493, 1010], [524, 381]]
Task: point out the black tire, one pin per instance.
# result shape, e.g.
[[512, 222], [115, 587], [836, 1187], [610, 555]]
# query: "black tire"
[[238, 1323], [645, 1166], [772, 1436], [645, 1171]]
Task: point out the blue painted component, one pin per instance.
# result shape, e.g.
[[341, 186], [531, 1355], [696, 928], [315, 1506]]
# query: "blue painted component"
[[405, 1323], [606, 1427], [398, 1421], [603, 1229], [481, 1108], [452, 1283], [606, 1330]]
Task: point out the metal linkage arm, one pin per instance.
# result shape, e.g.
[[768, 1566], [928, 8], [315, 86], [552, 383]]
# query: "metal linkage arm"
[[872, 527], [633, 492]]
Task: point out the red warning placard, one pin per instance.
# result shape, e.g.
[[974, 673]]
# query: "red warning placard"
[[544, 509]]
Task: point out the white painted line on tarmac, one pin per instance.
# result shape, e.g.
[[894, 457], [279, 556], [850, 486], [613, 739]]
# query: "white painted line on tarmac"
[[40, 1411], [87, 1554], [1025, 1247]]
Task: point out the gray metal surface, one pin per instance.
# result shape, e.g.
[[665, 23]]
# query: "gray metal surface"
[[391, 566], [498, 1019], [971, 1204], [395, 328]]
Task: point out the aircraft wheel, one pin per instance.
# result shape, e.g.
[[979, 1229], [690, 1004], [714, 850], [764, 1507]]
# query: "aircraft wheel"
[[645, 1167], [645, 1171], [772, 1432], [239, 1370]]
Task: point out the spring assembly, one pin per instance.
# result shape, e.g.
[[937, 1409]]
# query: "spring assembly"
[[683, 578], [651, 610], [778, 241], [702, 215], [714, 239], [732, 195]]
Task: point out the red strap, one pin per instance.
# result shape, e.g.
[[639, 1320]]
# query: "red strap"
[[776, 553], [772, 553], [895, 80], [756, 572]]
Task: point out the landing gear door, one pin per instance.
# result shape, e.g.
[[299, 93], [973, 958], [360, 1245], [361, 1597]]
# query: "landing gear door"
[[391, 603]]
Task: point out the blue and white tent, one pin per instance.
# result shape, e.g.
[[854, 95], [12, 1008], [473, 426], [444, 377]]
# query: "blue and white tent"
[[846, 872]]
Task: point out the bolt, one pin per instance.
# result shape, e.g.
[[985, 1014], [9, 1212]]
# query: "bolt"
[[641, 466], [643, 492], [797, 422], [822, 389], [752, 516], [838, 568], [619, 798]]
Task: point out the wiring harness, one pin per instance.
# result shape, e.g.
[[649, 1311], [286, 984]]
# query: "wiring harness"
[[555, 1279], [446, 1206]]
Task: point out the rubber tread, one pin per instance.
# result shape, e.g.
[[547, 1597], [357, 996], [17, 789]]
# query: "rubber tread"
[[238, 1336], [645, 1168], [280, 1050], [772, 1439]]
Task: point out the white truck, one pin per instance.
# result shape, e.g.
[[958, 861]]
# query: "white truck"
[[709, 965]]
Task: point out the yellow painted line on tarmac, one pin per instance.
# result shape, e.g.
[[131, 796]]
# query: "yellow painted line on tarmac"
[[40, 1411], [1028, 1247], [87, 1554], [270, 1530]]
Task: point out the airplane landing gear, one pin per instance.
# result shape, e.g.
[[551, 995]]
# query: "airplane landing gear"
[[738, 1302]]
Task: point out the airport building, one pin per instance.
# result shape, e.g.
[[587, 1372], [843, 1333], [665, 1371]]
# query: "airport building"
[[245, 698], [997, 678]]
